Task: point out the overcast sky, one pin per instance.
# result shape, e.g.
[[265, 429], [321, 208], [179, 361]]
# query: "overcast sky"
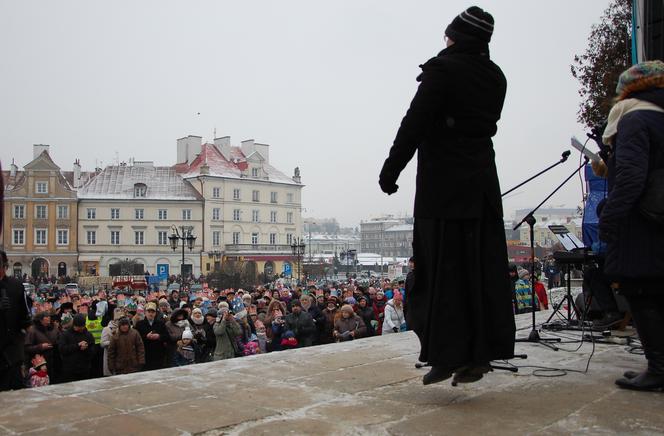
[[325, 83]]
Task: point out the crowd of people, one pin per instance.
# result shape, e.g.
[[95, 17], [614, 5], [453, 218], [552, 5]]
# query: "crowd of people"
[[76, 337]]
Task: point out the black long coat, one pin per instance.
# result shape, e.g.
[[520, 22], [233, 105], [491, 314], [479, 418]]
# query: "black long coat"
[[635, 246], [154, 350], [450, 123]]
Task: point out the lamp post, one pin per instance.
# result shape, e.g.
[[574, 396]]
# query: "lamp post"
[[182, 236], [298, 247]]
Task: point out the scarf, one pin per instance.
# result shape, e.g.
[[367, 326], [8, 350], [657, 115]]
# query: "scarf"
[[621, 109]]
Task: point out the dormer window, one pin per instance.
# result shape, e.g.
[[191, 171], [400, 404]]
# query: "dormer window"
[[255, 172], [140, 190]]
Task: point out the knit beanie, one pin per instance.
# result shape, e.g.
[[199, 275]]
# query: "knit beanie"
[[634, 78], [187, 334], [523, 273], [79, 320], [472, 24]]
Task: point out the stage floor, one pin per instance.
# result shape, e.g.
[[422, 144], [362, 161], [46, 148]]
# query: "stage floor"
[[367, 386]]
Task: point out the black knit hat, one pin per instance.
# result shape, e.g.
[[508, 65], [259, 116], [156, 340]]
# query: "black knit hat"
[[79, 320], [473, 23]]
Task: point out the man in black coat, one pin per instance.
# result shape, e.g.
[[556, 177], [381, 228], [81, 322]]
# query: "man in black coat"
[[459, 239], [14, 319], [634, 236], [301, 324], [153, 332], [76, 346]]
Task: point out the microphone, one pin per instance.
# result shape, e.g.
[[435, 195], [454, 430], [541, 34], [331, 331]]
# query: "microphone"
[[565, 155]]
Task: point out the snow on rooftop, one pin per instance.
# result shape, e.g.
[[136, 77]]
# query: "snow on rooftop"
[[117, 182]]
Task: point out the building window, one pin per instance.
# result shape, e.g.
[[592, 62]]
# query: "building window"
[[40, 212], [215, 192], [138, 214], [186, 214], [115, 214], [63, 237], [163, 214], [42, 188], [115, 237], [139, 237], [92, 213], [19, 211], [236, 214], [92, 237], [254, 216], [289, 197], [162, 238], [40, 236], [273, 238], [289, 217], [255, 196], [273, 216], [236, 194], [254, 239], [19, 237], [254, 172], [289, 238], [236, 238], [216, 238], [216, 213], [273, 197], [140, 190], [63, 212]]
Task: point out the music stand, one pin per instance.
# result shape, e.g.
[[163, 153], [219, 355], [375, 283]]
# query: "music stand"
[[571, 244]]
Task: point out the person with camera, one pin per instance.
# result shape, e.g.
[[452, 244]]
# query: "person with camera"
[[631, 220], [14, 319], [226, 330], [350, 326]]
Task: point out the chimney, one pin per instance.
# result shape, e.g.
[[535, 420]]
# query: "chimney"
[[38, 149], [296, 175], [13, 169], [77, 173], [205, 169], [188, 148], [224, 146], [263, 150]]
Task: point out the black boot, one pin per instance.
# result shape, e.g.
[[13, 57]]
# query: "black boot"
[[437, 374], [470, 373], [631, 374], [650, 380]]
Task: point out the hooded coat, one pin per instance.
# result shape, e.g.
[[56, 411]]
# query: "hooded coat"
[[461, 308], [635, 245]]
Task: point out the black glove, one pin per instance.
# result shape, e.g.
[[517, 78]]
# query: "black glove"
[[388, 187], [395, 329]]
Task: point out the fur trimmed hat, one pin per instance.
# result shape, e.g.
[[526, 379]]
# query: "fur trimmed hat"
[[639, 77], [472, 24]]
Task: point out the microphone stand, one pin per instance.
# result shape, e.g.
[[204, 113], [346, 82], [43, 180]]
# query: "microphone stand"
[[563, 158], [530, 219]]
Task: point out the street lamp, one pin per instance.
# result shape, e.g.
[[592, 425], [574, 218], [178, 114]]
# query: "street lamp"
[[184, 237], [298, 247]]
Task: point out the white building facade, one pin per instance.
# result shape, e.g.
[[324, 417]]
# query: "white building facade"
[[251, 211], [126, 214]]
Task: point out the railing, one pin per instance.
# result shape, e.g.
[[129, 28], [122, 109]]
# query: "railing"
[[239, 248]]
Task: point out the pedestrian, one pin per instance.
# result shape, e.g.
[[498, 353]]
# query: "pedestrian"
[[126, 353], [106, 336], [394, 321], [76, 346], [155, 337], [226, 330], [349, 326], [38, 373], [463, 290], [301, 324], [632, 218], [14, 318], [42, 339]]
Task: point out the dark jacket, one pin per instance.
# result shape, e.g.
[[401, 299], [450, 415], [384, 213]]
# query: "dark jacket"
[[126, 354], [450, 123], [155, 350], [37, 335], [302, 325], [76, 363], [635, 246], [12, 323]]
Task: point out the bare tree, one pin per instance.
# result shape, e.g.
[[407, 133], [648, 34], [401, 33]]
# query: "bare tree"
[[608, 54]]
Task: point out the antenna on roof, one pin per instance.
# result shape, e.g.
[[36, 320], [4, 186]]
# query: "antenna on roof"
[[214, 134]]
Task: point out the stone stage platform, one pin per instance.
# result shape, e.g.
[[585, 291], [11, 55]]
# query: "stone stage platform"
[[366, 387]]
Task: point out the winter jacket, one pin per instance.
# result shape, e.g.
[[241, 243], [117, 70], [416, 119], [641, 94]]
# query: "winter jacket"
[[226, 333], [76, 363], [393, 318], [37, 335], [302, 325], [106, 336], [450, 123], [155, 349], [367, 315], [330, 316], [635, 246], [126, 353], [351, 324]]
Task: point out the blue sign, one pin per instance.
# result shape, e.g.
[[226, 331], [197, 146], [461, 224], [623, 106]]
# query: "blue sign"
[[154, 280], [287, 269], [162, 271]]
